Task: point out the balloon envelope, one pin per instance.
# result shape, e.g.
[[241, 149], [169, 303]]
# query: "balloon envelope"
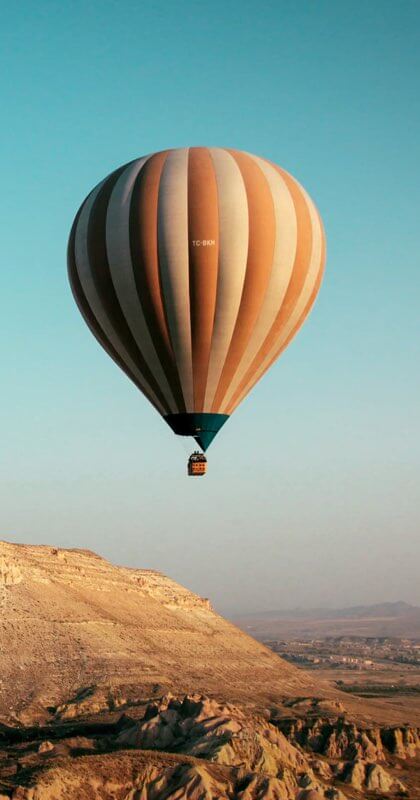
[[194, 268]]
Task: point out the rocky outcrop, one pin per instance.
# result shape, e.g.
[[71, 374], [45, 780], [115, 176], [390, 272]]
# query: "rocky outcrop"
[[133, 777], [315, 705], [378, 779], [157, 585], [403, 742], [268, 765], [339, 739], [223, 733], [373, 777], [91, 701], [10, 573]]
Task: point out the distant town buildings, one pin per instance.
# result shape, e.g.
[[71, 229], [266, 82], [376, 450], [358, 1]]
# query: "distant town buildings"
[[348, 652]]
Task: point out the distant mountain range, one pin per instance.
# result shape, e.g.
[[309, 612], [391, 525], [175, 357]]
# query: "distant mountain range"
[[379, 619], [398, 609]]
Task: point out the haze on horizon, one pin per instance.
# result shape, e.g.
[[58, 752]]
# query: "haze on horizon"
[[311, 498]]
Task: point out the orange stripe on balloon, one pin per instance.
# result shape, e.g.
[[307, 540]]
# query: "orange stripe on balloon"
[[297, 280], [302, 318], [203, 239], [262, 232], [144, 244], [308, 306], [313, 295]]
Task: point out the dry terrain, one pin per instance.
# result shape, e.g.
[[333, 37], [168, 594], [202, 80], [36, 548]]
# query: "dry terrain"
[[119, 684], [397, 690], [369, 651]]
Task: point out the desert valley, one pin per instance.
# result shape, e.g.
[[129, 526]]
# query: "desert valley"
[[119, 683]]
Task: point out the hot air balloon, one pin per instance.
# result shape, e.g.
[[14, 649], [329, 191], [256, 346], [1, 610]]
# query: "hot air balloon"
[[194, 268]]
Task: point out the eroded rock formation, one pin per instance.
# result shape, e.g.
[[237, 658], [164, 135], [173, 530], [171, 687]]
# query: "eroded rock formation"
[[339, 739], [182, 748]]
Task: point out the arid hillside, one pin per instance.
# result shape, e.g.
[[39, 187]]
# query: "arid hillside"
[[70, 619]]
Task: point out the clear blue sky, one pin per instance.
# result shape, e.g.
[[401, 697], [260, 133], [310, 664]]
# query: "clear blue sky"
[[312, 491]]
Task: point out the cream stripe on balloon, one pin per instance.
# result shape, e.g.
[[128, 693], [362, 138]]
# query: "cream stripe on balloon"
[[233, 251], [283, 261], [88, 285], [122, 274], [307, 289], [174, 263]]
